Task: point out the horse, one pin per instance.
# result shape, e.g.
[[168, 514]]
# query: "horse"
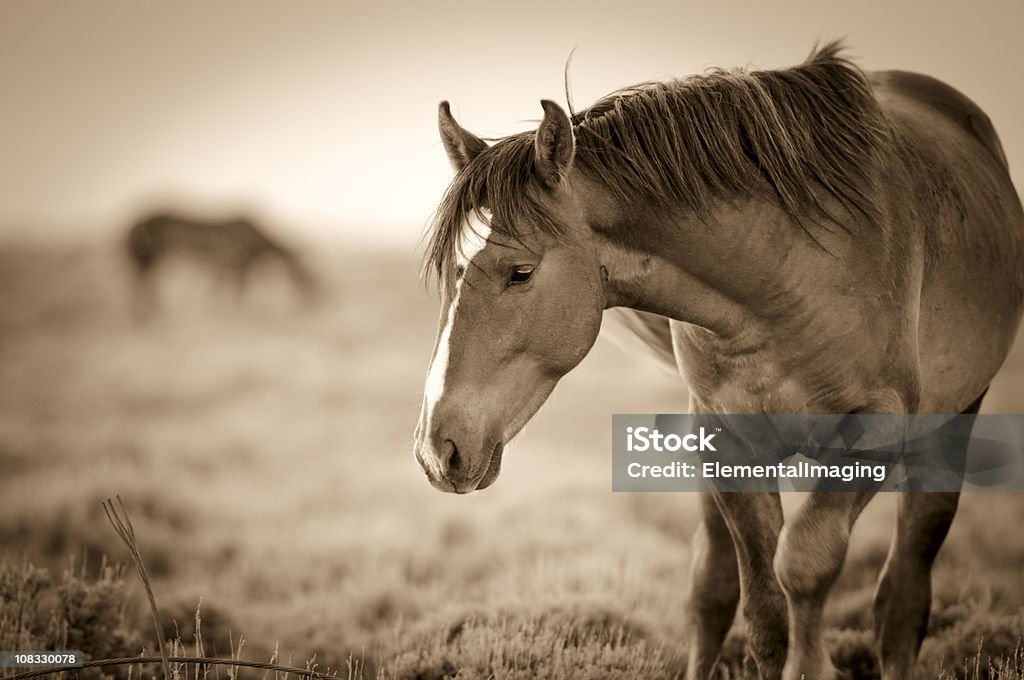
[[814, 239], [231, 247]]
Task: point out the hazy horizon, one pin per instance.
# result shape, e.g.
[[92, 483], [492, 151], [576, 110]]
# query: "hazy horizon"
[[321, 116]]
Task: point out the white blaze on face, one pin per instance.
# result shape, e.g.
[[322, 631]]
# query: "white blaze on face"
[[473, 240]]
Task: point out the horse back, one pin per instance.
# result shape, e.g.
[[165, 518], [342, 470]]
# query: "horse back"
[[945, 100]]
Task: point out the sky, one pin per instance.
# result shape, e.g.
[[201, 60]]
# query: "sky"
[[321, 115]]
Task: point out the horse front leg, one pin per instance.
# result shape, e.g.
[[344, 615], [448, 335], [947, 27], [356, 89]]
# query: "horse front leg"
[[811, 552], [713, 593], [754, 521]]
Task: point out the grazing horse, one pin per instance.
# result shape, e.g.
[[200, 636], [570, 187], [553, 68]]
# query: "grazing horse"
[[231, 247], [814, 239]]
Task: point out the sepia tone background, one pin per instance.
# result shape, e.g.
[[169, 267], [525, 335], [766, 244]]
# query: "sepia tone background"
[[264, 445]]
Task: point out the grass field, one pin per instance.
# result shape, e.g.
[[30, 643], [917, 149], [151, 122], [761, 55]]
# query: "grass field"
[[265, 454]]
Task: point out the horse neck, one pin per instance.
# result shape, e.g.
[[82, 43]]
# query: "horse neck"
[[717, 272]]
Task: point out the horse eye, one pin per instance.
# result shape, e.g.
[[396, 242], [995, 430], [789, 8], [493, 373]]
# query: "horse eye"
[[521, 274]]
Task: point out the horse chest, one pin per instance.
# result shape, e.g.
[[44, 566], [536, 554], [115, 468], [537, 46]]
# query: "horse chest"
[[749, 384], [768, 376]]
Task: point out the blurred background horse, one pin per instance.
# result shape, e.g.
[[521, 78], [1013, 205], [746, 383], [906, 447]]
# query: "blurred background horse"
[[232, 249]]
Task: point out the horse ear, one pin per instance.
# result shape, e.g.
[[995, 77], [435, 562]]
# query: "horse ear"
[[555, 145], [462, 146]]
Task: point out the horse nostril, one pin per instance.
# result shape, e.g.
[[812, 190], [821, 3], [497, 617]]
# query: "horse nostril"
[[453, 460]]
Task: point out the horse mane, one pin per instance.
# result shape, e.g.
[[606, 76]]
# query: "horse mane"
[[781, 135]]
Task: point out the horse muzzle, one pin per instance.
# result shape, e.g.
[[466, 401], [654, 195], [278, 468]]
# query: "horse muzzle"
[[449, 469]]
